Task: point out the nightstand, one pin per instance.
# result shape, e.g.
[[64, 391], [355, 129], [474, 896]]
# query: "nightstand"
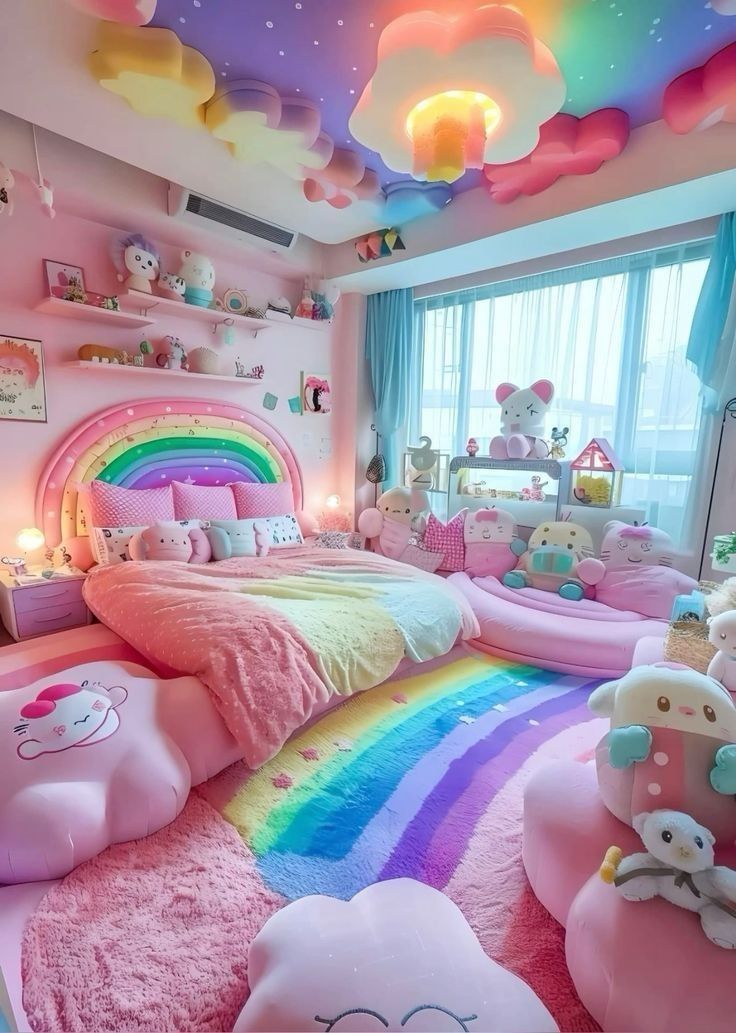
[[42, 606]]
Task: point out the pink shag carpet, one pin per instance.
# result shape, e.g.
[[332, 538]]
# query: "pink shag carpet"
[[422, 777], [150, 935]]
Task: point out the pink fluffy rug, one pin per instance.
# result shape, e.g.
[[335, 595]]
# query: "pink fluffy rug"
[[150, 935]]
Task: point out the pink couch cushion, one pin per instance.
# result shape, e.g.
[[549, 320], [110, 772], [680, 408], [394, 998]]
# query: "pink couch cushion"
[[203, 502], [263, 500], [112, 506]]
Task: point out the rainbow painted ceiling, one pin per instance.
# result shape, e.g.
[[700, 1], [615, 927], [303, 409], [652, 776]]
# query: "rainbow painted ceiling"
[[351, 97]]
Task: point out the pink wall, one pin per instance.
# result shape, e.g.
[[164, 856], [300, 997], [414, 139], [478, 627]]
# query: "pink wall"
[[74, 394]]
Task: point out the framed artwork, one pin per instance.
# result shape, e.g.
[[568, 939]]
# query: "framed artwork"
[[316, 393], [58, 274], [22, 380]]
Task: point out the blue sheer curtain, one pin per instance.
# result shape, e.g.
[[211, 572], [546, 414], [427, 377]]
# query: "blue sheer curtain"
[[708, 348], [389, 349]]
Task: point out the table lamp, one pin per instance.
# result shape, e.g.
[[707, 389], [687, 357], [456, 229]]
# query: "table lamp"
[[28, 540]]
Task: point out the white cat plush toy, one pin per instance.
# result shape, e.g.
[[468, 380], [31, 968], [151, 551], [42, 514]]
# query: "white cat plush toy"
[[522, 421]]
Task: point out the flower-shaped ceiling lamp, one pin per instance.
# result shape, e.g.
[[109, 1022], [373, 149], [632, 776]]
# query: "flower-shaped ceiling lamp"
[[451, 93]]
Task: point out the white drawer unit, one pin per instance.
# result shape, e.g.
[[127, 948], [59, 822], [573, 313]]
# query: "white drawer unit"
[[43, 606]]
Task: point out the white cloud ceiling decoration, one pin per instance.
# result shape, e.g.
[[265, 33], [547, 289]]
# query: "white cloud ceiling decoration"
[[724, 6], [455, 92]]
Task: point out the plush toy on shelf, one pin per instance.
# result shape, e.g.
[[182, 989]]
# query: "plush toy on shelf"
[[174, 357], [635, 571], [171, 286], [722, 635], [491, 544], [7, 182], [555, 551], [399, 513], [535, 491], [198, 274], [671, 743], [679, 866], [522, 421], [101, 353], [171, 541], [137, 262]]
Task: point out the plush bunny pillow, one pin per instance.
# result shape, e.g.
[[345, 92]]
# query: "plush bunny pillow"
[[237, 538]]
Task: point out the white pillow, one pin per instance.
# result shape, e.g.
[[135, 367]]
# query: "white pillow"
[[238, 538], [285, 531], [110, 544]]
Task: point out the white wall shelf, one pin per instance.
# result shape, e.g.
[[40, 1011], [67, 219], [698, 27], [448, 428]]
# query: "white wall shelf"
[[160, 308], [52, 306], [108, 368], [320, 325]]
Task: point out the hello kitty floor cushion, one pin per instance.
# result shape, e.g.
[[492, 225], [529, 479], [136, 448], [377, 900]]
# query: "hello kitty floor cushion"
[[171, 541], [398, 514], [523, 411], [102, 753], [635, 571], [678, 865], [398, 956], [492, 548], [722, 635]]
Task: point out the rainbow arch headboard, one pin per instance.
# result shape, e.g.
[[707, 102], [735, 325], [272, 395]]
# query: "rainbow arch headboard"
[[152, 442]]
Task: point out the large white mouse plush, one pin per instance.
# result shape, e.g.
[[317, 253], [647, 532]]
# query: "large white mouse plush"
[[523, 411], [678, 866]]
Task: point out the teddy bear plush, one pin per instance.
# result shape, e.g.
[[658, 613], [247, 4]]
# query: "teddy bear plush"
[[678, 866], [722, 635], [522, 421]]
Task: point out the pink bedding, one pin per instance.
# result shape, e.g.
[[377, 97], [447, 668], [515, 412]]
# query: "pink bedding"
[[274, 638]]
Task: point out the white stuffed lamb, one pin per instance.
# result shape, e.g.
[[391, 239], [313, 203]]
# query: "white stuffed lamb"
[[679, 867]]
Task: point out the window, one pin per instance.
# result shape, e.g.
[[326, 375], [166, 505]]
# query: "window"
[[611, 337]]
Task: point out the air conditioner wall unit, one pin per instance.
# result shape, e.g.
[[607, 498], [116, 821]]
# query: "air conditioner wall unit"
[[189, 206]]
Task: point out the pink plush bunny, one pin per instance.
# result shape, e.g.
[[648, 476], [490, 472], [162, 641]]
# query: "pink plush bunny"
[[171, 541]]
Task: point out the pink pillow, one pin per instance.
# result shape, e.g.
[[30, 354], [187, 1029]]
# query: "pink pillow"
[[447, 539], [203, 502], [263, 500], [112, 506]]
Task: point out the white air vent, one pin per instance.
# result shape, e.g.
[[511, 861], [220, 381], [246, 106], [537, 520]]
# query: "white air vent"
[[197, 209]]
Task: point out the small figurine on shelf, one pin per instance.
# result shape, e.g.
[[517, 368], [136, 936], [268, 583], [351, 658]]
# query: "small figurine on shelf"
[[171, 286], [279, 304], [145, 348], [198, 274], [7, 182], [472, 447], [175, 357], [111, 303], [137, 262], [535, 493], [256, 372], [74, 291], [306, 307], [559, 440]]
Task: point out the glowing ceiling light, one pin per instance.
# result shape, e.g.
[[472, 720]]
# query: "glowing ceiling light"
[[455, 92]]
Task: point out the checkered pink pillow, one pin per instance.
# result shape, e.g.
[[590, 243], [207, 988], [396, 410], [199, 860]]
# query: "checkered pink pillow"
[[112, 506], [447, 539], [263, 500], [203, 502]]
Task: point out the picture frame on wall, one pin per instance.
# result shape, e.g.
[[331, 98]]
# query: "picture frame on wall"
[[58, 274], [316, 393], [22, 379]]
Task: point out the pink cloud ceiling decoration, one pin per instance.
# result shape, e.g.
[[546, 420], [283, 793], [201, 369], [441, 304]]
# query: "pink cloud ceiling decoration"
[[452, 92], [703, 96], [343, 181], [568, 146], [260, 126], [130, 12]]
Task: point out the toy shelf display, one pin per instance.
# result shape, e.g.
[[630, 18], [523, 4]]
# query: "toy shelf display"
[[154, 305], [52, 306], [119, 368], [532, 490]]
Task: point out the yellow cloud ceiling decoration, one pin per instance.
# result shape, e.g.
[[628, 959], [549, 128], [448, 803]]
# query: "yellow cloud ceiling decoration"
[[455, 92], [154, 71], [260, 126]]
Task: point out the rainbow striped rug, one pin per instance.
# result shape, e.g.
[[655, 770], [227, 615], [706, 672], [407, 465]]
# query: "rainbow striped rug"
[[395, 781]]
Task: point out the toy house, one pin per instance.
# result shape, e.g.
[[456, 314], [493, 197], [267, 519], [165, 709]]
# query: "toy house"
[[596, 476]]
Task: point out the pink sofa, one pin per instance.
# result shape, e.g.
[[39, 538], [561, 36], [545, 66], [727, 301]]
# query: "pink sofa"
[[586, 637]]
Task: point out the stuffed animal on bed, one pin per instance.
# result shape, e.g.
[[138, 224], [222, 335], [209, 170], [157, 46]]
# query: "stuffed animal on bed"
[[239, 538], [555, 551], [635, 571], [522, 421], [398, 514], [491, 545], [170, 541], [678, 866], [672, 743], [722, 635]]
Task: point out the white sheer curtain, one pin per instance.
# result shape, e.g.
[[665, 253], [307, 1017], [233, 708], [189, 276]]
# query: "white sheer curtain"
[[612, 338]]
